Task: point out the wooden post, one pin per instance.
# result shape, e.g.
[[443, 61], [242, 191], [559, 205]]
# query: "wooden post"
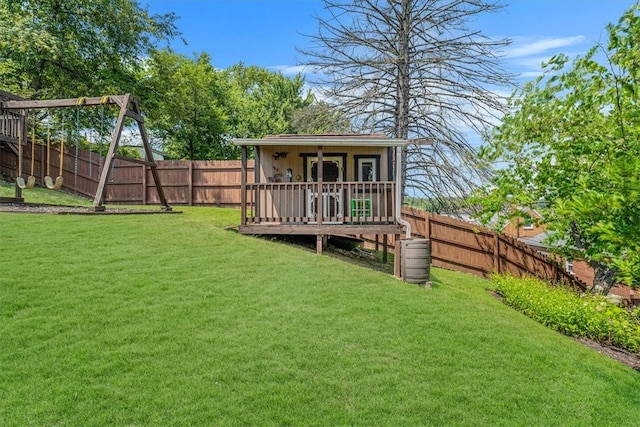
[[385, 247], [243, 185], [320, 178], [109, 158], [136, 114], [396, 257], [23, 130], [319, 243], [18, 192], [256, 179]]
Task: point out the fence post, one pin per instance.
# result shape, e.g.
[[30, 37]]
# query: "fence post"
[[190, 183], [496, 253], [144, 184]]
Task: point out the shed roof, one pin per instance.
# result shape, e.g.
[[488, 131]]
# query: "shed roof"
[[331, 140]]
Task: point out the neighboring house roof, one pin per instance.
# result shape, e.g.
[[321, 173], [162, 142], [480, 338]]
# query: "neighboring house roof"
[[537, 242], [531, 212], [346, 140], [466, 216]]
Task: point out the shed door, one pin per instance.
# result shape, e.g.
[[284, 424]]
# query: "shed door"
[[332, 169]]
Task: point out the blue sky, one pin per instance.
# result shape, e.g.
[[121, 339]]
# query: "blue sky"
[[266, 32]]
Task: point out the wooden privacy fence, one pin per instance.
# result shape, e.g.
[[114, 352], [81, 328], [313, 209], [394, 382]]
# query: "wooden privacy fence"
[[202, 182], [455, 244], [461, 246], [205, 182]]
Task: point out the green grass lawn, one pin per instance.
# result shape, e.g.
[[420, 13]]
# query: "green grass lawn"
[[173, 320], [44, 195]]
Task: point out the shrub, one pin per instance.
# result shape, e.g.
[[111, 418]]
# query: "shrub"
[[560, 308]]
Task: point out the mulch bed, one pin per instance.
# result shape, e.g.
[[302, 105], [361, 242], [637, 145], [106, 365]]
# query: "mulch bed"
[[623, 356], [76, 210]]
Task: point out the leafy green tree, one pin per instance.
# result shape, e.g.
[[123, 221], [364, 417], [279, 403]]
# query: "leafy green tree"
[[68, 48], [570, 147], [263, 101], [196, 110], [189, 108]]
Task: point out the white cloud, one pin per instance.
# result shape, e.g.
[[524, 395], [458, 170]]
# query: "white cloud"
[[289, 70], [543, 45]]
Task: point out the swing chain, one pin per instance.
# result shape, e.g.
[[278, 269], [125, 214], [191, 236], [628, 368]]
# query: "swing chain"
[[77, 132]]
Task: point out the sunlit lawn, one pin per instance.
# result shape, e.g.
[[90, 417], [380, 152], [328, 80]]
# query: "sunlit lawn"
[[44, 195], [173, 320]]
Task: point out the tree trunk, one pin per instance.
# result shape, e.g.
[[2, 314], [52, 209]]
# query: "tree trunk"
[[604, 277], [404, 88]]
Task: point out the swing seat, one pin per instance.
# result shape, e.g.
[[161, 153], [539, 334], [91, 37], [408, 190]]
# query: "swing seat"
[[20, 183], [58, 184], [31, 182], [48, 181]]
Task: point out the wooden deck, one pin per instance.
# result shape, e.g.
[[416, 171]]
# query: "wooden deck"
[[324, 229], [332, 208]]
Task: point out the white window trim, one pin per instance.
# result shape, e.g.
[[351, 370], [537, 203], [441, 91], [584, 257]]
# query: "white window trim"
[[374, 168], [568, 267]]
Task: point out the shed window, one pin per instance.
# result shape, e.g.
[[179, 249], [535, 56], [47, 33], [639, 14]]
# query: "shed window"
[[528, 223], [568, 266], [367, 168]]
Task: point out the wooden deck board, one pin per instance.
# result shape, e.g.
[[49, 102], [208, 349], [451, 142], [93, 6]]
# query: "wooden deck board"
[[314, 229]]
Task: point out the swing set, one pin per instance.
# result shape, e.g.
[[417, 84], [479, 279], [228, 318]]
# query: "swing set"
[[31, 180], [129, 108]]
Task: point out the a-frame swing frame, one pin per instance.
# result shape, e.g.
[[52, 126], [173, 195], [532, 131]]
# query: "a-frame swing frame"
[[129, 107]]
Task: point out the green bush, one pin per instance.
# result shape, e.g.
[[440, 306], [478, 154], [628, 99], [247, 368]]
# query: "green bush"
[[586, 316]]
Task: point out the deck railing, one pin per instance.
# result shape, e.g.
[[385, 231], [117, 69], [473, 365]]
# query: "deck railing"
[[9, 119], [9, 126], [341, 203]]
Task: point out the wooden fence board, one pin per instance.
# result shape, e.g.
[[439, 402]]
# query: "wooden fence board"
[[215, 182], [455, 244], [461, 246]]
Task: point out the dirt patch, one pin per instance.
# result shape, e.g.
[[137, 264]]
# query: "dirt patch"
[[75, 210], [344, 249], [360, 257]]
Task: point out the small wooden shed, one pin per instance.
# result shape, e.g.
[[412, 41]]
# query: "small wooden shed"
[[323, 185]]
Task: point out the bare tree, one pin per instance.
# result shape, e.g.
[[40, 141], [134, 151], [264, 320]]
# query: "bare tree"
[[319, 117], [414, 69]]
